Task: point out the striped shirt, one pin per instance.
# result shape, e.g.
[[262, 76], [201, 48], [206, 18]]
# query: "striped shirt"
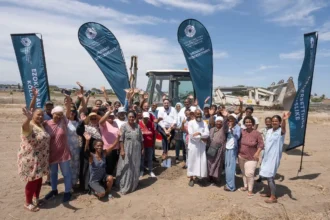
[[59, 150], [250, 142]]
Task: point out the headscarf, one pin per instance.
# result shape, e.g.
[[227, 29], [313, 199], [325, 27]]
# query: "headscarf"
[[219, 118], [179, 103], [57, 109]]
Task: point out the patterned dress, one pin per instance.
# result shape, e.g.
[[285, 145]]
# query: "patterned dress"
[[74, 145], [128, 169], [33, 154]]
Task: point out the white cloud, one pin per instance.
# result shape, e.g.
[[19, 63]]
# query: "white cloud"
[[323, 53], [299, 55], [85, 10], [203, 6], [296, 55], [292, 12], [261, 68], [67, 61], [324, 33], [220, 55]]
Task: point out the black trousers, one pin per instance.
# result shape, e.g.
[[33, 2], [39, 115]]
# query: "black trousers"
[[111, 162]]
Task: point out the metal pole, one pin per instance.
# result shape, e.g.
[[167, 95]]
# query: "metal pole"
[[301, 160]]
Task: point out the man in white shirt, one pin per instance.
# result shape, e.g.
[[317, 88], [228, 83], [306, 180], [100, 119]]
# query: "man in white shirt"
[[248, 112], [187, 105], [121, 117], [167, 117]]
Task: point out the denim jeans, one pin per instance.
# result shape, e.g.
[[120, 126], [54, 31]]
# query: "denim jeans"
[[180, 144], [148, 154], [66, 172], [230, 168]]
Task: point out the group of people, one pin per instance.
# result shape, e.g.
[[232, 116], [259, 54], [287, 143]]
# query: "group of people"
[[112, 144]]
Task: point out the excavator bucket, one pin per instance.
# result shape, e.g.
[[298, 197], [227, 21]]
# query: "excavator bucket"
[[290, 95]]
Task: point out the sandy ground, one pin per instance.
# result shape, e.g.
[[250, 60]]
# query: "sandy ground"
[[305, 196]]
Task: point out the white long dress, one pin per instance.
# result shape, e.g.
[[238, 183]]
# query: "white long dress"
[[273, 153], [197, 149]]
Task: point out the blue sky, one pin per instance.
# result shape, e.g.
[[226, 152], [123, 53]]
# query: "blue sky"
[[255, 42]]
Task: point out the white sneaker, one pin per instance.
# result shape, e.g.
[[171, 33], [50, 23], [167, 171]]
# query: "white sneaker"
[[141, 173], [152, 175]]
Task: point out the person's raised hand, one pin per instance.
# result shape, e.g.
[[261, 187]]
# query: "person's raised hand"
[[103, 89], [80, 85], [240, 99], [286, 115], [87, 136], [27, 113], [35, 92]]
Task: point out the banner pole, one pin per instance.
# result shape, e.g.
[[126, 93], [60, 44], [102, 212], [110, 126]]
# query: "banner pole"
[[44, 59], [301, 160]]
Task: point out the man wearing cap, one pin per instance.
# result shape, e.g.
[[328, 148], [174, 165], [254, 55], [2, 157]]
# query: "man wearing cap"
[[148, 132], [48, 110], [167, 117], [121, 117], [249, 112]]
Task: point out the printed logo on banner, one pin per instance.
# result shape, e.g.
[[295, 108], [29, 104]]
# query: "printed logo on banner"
[[190, 31], [26, 41], [91, 33]]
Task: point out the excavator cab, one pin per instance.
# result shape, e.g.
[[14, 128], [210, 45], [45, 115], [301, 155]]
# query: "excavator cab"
[[174, 84]]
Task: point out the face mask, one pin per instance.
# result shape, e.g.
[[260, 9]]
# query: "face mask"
[[199, 119]]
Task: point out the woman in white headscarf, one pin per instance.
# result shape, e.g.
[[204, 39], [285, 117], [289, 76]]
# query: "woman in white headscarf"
[[216, 150], [59, 151], [178, 107]]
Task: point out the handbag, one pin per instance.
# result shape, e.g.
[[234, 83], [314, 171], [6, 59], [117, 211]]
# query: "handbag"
[[213, 149]]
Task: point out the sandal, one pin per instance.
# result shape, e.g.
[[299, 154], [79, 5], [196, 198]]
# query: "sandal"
[[38, 202], [269, 201], [226, 189], [47, 182], [243, 189], [250, 195], [264, 195], [31, 208], [191, 183]]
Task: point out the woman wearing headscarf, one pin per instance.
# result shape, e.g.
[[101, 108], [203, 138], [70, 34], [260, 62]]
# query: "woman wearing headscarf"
[[59, 154], [131, 149], [249, 152], [178, 107], [273, 154], [33, 156], [216, 150], [90, 125], [73, 140]]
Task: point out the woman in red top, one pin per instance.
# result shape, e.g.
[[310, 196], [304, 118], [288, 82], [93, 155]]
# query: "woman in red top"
[[250, 147], [148, 132], [59, 151]]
